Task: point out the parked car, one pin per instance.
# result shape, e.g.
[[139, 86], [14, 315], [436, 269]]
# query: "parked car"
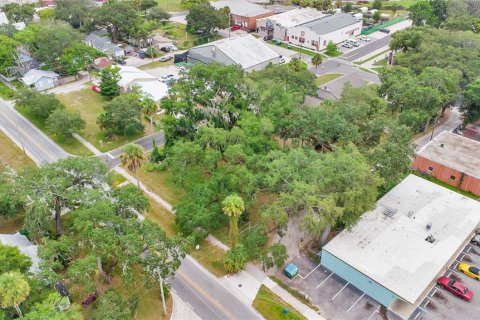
[[281, 60], [166, 49], [363, 38], [96, 88], [347, 45], [455, 287], [167, 77], [182, 70], [172, 47], [235, 27], [476, 240], [268, 37], [201, 31], [472, 272], [165, 58], [384, 30], [120, 61]]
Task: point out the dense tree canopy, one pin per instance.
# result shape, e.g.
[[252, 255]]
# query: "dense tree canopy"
[[122, 115], [207, 18]]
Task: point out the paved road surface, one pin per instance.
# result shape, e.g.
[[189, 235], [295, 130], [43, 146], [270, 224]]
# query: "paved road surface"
[[353, 55], [207, 296], [454, 120], [37, 145]]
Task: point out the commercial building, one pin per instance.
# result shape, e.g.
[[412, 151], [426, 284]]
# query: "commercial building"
[[243, 13], [279, 25], [452, 159], [396, 251], [245, 51], [317, 34]]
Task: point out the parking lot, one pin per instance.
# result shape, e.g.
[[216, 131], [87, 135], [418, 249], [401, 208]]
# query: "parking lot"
[[336, 298], [441, 304], [361, 43]]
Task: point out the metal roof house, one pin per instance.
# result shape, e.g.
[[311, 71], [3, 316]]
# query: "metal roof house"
[[149, 84], [453, 159], [105, 45], [24, 245], [245, 51], [40, 79], [398, 250]]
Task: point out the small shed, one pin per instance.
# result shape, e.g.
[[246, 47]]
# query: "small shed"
[[291, 270], [40, 79]]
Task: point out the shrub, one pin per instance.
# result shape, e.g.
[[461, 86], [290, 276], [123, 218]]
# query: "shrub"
[[235, 259]]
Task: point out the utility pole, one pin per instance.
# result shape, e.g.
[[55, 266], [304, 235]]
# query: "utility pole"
[[433, 129]]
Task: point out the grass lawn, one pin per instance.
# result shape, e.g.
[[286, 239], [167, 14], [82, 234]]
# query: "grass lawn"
[[70, 145], [334, 54], [271, 306], [11, 156], [171, 5], [162, 184], [177, 32], [403, 3], [446, 185], [155, 64], [150, 306], [164, 218], [327, 78], [211, 257], [5, 92], [90, 105]]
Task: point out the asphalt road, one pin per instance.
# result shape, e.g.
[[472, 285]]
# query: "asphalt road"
[[353, 55], [36, 144], [207, 296]]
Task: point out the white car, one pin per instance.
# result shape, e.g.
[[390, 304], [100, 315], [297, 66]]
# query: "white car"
[[165, 58], [281, 60], [167, 77], [173, 48], [363, 38]]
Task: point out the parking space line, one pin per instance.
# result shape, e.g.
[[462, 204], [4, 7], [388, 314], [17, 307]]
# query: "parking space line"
[[423, 310], [454, 271], [339, 291], [303, 278], [353, 305], [376, 310], [469, 248], [324, 280]]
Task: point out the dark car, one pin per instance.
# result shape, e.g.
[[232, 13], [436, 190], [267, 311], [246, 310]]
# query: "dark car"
[[268, 37], [385, 30], [165, 49], [455, 287]]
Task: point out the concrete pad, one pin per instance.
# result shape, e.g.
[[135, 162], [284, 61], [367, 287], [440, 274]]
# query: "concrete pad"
[[245, 284], [182, 310]]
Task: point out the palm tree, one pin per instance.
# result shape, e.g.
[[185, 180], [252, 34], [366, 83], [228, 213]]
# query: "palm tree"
[[150, 108], [14, 289], [233, 207], [317, 60], [133, 157]]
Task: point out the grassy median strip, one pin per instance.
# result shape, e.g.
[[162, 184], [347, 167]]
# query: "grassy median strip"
[[11, 155], [371, 58], [325, 78], [272, 307]]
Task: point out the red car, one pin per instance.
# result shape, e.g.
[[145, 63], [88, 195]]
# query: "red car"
[[96, 88], [235, 27], [456, 288]]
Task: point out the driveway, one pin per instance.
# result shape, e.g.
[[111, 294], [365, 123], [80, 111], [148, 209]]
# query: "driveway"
[[350, 73], [70, 87], [162, 71], [454, 119]]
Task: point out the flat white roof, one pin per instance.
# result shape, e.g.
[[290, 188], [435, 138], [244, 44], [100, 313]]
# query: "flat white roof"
[[454, 151], [296, 17], [393, 251], [241, 7], [246, 51], [150, 85]]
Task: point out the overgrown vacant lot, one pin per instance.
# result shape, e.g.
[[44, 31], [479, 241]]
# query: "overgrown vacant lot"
[[90, 105]]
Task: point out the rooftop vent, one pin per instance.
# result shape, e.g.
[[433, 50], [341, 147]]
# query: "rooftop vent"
[[442, 145], [430, 239], [429, 226]]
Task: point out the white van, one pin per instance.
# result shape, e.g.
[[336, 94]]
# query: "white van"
[[353, 42]]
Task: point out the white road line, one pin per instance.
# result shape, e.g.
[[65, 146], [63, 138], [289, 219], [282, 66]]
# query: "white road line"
[[449, 273], [188, 304], [469, 248], [339, 291], [423, 310], [309, 272], [376, 310], [323, 281], [353, 305], [454, 271]]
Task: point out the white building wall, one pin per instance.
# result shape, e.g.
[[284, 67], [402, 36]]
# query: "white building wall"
[[311, 37]]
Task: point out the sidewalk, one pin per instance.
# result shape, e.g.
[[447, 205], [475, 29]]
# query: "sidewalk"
[[182, 310]]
